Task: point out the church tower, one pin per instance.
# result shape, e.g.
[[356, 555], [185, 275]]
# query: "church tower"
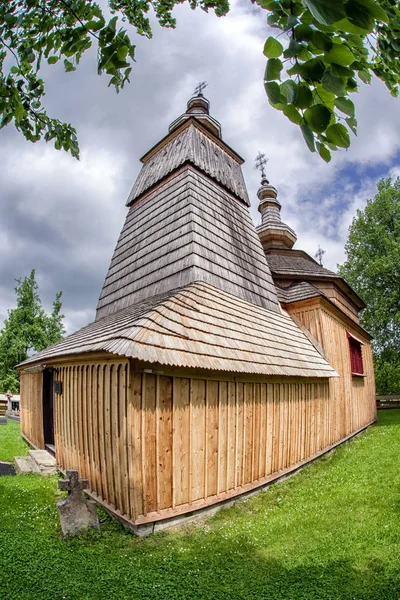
[[188, 221], [272, 231]]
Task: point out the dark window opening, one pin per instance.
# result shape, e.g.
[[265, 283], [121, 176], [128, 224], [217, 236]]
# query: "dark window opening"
[[356, 361]]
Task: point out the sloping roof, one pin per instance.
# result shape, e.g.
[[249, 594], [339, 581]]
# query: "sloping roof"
[[203, 327], [187, 229], [300, 290], [200, 148], [297, 262]]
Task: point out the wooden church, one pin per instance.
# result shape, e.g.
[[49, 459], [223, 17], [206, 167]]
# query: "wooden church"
[[220, 358]]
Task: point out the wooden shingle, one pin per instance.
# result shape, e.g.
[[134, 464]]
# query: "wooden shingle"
[[187, 229], [200, 326]]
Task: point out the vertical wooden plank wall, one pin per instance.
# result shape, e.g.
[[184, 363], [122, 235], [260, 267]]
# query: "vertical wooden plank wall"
[[32, 407], [153, 446], [93, 429], [354, 396]]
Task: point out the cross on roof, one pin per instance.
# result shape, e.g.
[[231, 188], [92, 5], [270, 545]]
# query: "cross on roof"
[[72, 484], [319, 254], [260, 163], [199, 89]]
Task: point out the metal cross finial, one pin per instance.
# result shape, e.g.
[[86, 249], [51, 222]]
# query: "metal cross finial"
[[199, 89], [260, 163], [319, 254]]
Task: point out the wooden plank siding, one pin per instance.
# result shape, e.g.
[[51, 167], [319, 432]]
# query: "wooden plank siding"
[[352, 395], [154, 446], [32, 407]]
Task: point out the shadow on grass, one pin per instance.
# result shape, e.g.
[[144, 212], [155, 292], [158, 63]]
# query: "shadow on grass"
[[202, 565], [388, 417], [248, 574]]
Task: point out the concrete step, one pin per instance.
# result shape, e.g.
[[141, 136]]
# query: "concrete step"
[[25, 465], [44, 461]]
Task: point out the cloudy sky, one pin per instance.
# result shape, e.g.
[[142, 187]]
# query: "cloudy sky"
[[62, 217]]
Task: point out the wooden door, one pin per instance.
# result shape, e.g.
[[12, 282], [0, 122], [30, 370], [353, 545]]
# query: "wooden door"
[[48, 407]]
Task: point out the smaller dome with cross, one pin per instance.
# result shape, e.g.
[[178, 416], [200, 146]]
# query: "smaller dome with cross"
[[199, 108], [272, 231]]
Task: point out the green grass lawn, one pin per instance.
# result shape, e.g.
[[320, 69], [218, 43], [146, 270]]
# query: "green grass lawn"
[[11, 443], [330, 532]]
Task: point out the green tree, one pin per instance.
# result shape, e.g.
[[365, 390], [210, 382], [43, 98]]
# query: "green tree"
[[372, 268], [27, 329], [327, 49]]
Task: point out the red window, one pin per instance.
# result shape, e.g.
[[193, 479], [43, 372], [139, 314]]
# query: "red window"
[[355, 355]]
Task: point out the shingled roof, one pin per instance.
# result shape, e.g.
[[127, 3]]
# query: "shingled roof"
[[199, 326], [189, 284], [299, 290], [297, 262], [192, 144], [188, 221]]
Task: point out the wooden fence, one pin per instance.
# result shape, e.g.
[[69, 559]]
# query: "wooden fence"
[[390, 401]]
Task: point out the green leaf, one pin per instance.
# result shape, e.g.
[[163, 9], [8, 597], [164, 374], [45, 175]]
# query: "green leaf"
[[273, 19], [269, 4], [292, 114], [6, 119], [321, 40], [293, 70], [293, 49], [273, 69], [273, 92], [326, 11], [312, 69], [272, 48], [303, 32], [340, 54], [289, 90], [347, 26], [68, 65], [52, 60], [10, 19], [352, 123], [395, 44], [365, 76], [317, 117], [307, 18], [351, 85], [363, 13], [336, 85], [358, 11], [339, 71], [19, 112], [356, 40], [308, 136], [304, 96], [304, 54], [337, 134], [322, 96], [345, 105], [291, 22], [324, 152]]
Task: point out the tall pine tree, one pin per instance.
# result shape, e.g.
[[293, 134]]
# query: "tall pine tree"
[[27, 329]]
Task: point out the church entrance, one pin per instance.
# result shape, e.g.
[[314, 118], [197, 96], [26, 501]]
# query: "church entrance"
[[48, 409]]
